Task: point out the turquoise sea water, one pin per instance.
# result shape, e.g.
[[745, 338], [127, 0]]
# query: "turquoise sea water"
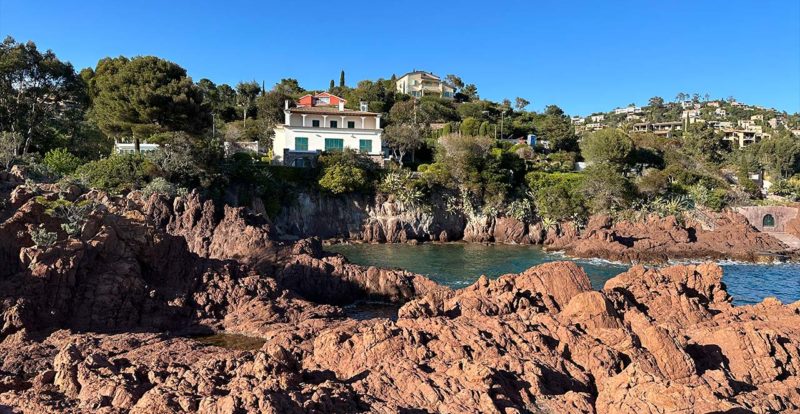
[[460, 264]]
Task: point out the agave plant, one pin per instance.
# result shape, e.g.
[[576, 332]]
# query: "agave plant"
[[677, 205], [548, 223]]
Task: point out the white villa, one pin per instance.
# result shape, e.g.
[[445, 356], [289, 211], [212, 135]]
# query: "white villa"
[[323, 124], [419, 83], [628, 110]]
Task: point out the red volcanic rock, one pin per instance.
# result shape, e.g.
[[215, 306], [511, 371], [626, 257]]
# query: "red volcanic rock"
[[92, 324], [659, 239]]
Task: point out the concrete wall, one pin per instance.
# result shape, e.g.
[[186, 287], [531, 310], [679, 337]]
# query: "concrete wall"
[[781, 214]]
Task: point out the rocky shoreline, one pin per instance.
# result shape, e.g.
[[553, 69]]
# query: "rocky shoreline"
[[97, 323], [654, 240]]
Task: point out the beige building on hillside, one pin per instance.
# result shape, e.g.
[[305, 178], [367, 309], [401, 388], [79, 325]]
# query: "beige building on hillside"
[[419, 83], [742, 138]]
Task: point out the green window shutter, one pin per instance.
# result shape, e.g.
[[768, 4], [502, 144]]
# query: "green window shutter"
[[334, 144], [351, 124], [301, 144], [334, 124], [315, 123], [365, 145]]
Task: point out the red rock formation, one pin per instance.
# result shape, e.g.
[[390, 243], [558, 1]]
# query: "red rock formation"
[[91, 324], [656, 240]]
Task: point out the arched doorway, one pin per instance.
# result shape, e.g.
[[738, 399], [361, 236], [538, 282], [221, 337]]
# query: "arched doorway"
[[768, 221]]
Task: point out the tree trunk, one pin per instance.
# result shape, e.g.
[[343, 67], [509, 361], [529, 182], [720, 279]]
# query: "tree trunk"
[[30, 131]]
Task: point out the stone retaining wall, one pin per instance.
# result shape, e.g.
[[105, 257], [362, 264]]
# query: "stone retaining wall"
[[781, 215]]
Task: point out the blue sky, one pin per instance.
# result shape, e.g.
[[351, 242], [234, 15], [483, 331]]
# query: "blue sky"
[[584, 56]]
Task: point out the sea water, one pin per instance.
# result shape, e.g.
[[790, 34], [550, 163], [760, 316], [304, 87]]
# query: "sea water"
[[460, 264]]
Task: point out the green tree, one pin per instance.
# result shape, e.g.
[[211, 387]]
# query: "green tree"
[[655, 109], [9, 146], [463, 156], [289, 86], [470, 91], [454, 81], [521, 103], [246, 93], [402, 138], [144, 95], [701, 141], [41, 97], [557, 195], [780, 154], [341, 79], [605, 188], [609, 145], [470, 126], [331, 86], [556, 127]]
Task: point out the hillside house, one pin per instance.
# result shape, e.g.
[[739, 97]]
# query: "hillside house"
[[419, 83], [321, 123]]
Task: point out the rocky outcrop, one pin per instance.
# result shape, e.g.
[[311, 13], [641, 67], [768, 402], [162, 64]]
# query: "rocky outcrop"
[[657, 240], [380, 219], [99, 323], [541, 341]]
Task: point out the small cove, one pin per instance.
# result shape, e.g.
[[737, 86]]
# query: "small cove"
[[459, 264]]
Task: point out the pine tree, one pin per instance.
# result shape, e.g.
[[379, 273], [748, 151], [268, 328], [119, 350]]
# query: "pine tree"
[[332, 85], [341, 79]]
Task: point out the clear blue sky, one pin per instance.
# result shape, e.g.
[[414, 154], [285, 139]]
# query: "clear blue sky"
[[584, 56]]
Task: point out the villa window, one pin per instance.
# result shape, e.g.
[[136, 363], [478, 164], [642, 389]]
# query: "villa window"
[[351, 124], [301, 144], [365, 145], [334, 124], [315, 123], [768, 221], [334, 144]]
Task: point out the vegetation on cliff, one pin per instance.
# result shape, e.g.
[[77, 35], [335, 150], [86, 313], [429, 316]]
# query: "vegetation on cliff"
[[60, 125]]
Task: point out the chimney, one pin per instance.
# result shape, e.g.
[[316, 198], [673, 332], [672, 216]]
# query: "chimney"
[[286, 104], [341, 105], [364, 106]]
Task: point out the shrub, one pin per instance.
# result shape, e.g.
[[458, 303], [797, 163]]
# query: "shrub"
[[341, 178], [789, 188], [161, 186], [712, 198], [61, 162], [557, 195], [72, 215], [423, 167], [403, 186], [43, 238], [346, 172], [117, 172], [521, 209], [561, 161]]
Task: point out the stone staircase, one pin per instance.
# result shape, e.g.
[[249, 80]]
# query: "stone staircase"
[[790, 240]]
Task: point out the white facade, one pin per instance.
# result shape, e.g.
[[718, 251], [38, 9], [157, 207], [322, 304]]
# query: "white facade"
[[130, 147], [308, 131], [628, 110]]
